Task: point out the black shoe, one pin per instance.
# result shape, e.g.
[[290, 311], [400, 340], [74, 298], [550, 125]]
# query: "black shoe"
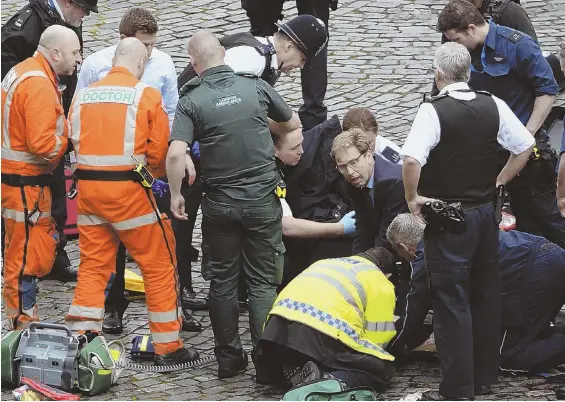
[[309, 372], [436, 396], [112, 323], [189, 323], [63, 274], [483, 390], [179, 356], [192, 302], [232, 370], [560, 393]]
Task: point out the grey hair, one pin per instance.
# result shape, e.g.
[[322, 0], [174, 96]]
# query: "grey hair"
[[453, 62], [405, 228]]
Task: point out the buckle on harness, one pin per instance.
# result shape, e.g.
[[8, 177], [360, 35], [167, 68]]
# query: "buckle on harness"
[[145, 177]]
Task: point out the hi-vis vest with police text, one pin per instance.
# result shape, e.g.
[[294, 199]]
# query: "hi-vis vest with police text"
[[348, 299], [32, 144]]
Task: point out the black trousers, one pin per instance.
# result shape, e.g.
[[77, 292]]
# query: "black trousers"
[[464, 280], [185, 252], [263, 14], [536, 345], [59, 213]]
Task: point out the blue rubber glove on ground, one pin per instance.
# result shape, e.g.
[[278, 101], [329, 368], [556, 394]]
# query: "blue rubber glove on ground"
[[348, 222]]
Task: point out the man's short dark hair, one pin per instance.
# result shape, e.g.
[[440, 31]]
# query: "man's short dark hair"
[[136, 20], [277, 138], [362, 118], [458, 15], [381, 257]]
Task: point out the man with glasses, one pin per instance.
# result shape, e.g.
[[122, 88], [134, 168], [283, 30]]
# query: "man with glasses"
[[375, 188]]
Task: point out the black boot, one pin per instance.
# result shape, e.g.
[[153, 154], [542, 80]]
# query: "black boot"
[[179, 356], [191, 301], [63, 274], [309, 372], [112, 322], [189, 323], [231, 370]]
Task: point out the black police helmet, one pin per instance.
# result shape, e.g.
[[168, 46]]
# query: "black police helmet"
[[308, 33], [90, 5]]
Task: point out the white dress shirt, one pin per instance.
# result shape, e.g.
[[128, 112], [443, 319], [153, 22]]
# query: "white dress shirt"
[[285, 208], [426, 131], [159, 73], [246, 59], [387, 149]]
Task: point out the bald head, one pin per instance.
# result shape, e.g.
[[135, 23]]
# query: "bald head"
[[131, 53], [205, 51], [57, 36], [61, 47]]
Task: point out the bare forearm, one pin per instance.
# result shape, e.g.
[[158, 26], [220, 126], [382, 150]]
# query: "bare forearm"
[[561, 179], [285, 127], [176, 164], [302, 228], [542, 107], [411, 170], [514, 165]]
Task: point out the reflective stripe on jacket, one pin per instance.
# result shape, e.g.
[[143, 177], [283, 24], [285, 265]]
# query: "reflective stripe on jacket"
[[34, 127], [348, 299], [116, 118]]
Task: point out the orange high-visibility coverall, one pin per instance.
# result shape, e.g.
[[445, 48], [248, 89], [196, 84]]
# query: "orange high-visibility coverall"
[[34, 138], [112, 120]]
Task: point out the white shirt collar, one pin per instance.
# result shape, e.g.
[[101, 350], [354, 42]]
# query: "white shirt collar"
[[455, 87], [55, 5]]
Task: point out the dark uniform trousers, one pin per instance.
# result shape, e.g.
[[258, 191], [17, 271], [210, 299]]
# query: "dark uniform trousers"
[[465, 284], [533, 197], [537, 346], [263, 14], [240, 238]]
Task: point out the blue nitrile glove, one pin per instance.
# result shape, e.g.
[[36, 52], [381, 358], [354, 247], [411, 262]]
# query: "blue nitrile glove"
[[159, 188], [195, 151], [348, 222]]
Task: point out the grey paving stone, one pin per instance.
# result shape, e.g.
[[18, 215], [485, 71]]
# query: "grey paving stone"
[[380, 55]]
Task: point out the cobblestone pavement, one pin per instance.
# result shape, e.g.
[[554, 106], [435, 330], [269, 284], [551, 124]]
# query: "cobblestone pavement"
[[380, 56]]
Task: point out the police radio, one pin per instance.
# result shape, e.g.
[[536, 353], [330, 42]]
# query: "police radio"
[[145, 177]]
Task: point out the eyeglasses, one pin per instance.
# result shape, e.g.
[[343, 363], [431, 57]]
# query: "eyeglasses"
[[354, 164]]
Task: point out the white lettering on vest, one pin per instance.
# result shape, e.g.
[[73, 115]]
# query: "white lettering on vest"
[[121, 95]]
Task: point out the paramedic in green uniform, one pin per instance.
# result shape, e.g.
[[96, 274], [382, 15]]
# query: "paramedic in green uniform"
[[231, 117]]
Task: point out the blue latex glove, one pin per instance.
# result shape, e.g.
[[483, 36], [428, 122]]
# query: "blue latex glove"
[[159, 188], [195, 151], [348, 222]]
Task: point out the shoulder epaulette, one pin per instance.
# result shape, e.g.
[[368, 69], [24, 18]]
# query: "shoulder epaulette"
[[193, 83], [248, 75], [435, 98], [512, 35], [22, 18]]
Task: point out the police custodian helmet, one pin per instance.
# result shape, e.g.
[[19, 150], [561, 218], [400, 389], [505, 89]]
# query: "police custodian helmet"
[[308, 33], [90, 5]]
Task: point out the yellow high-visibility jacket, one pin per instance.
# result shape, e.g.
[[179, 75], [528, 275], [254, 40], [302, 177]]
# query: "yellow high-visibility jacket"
[[348, 299]]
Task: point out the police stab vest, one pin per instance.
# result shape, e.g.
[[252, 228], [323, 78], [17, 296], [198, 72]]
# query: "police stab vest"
[[270, 74], [464, 164]]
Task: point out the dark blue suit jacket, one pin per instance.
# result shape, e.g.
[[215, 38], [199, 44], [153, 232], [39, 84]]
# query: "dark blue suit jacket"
[[372, 220]]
